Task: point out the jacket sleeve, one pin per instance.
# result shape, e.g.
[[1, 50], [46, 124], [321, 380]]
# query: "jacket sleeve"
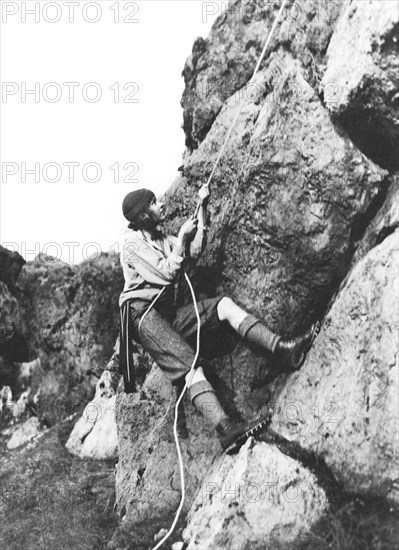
[[149, 263]]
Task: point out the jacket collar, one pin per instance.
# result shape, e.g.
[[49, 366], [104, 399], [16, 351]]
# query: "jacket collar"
[[150, 242]]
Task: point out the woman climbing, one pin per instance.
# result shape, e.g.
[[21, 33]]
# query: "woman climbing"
[[151, 262]]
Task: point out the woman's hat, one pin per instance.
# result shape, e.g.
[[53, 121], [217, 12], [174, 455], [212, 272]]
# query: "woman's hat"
[[136, 202]]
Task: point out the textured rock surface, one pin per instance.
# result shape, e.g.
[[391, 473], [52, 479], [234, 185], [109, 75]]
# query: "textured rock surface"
[[385, 222], [343, 404], [25, 433], [10, 266], [12, 324], [288, 199], [296, 203], [259, 498], [147, 479], [361, 81], [94, 435], [10, 318], [223, 63], [72, 318], [5, 398]]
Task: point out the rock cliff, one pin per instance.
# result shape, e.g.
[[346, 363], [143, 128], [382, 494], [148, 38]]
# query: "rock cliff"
[[63, 320], [58, 325], [304, 225], [303, 221]]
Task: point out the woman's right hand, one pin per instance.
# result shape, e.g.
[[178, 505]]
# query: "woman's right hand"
[[188, 229]]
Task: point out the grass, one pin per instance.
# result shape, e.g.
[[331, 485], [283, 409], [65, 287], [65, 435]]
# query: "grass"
[[358, 524], [51, 500]]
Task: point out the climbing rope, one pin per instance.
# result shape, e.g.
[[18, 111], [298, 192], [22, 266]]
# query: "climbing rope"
[[181, 468], [262, 55], [183, 487]]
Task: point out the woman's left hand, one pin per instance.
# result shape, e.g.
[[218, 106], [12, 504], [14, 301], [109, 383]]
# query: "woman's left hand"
[[204, 194]]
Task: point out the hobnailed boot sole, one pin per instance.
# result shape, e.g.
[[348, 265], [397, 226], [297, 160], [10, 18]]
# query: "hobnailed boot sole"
[[315, 331], [257, 427]]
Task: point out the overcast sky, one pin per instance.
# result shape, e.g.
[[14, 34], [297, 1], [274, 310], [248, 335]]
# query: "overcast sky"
[[106, 86]]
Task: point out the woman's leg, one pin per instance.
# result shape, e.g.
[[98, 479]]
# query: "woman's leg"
[[175, 357], [254, 332]]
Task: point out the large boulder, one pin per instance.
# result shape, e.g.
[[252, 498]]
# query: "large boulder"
[[259, 499], [72, 316], [27, 432], [220, 66], [94, 435], [287, 200], [361, 79], [343, 405]]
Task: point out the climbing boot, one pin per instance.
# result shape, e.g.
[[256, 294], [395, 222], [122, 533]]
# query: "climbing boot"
[[292, 353], [232, 435]]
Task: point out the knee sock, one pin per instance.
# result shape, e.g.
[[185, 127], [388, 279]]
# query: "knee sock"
[[204, 398], [255, 332]]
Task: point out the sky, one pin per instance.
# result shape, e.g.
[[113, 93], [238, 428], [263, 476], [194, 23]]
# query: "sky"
[[90, 110]]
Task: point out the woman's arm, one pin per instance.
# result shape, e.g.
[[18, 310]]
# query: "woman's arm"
[[150, 264]]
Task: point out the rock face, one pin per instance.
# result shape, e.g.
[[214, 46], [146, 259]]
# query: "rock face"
[[57, 329], [303, 217], [10, 320], [361, 81], [10, 266], [13, 331], [72, 318], [94, 435], [258, 499], [343, 404], [222, 65]]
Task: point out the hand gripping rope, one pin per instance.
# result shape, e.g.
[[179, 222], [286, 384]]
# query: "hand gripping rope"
[[183, 490]]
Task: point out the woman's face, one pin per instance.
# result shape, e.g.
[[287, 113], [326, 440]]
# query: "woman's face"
[[157, 210]]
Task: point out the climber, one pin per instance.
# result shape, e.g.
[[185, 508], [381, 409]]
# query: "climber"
[[151, 262]]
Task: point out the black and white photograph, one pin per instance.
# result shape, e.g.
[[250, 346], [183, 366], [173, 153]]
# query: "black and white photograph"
[[199, 275]]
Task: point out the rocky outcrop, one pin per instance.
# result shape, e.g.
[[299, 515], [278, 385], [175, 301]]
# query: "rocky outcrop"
[[63, 319], [302, 215], [222, 64], [10, 266], [5, 398], [361, 79], [343, 403], [72, 318], [12, 324], [259, 499], [25, 433], [385, 222], [10, 320], [94, 435], [12, 329]]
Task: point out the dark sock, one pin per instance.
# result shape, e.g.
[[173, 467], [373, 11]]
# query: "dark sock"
[[206, 402], [253, 331]]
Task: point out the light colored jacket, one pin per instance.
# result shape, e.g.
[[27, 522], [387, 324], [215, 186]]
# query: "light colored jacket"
[[147, 265]]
